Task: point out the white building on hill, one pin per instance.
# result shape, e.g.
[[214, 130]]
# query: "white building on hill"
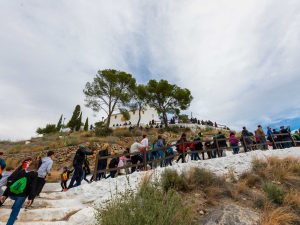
[[147, 115]]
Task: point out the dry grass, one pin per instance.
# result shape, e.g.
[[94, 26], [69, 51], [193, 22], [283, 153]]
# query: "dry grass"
[[292, 199], [277, 216], [251, 179], [285, 170]]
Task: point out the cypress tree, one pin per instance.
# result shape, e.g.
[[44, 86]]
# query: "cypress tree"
[[78, 124], [73, 123], [59, 124], [86, 124]]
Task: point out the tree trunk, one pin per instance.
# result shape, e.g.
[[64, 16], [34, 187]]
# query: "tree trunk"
[[138, 123], [165, 119], [108, 120]]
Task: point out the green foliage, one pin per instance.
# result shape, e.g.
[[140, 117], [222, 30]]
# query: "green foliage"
[[150, 206], [86, 124], [274, 192], [101, 130], [139, 100], [73, 123], [125, 114], [183, 118], [170, 179], [109, 89], [167, 98], [59, 124], [79, 123], [50, 128], [203, 177]]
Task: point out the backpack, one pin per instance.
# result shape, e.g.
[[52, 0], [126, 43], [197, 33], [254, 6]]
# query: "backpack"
[[65, 176], [18, 186]]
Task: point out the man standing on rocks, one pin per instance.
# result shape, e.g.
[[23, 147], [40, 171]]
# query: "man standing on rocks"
[[78, 162], [2, 164], [43, 171]]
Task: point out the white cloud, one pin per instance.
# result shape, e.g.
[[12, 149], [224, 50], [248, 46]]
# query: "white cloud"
[[239, 58]]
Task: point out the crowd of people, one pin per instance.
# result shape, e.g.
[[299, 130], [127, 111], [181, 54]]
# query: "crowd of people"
[[27, 181]]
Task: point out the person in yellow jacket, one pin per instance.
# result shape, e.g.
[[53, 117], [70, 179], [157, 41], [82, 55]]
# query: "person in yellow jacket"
[[261, 137]]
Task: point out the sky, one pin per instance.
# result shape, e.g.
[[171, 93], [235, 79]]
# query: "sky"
[[240, 59]]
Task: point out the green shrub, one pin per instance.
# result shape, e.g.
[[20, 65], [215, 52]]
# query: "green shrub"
[[274, 192], [203, 177], [150, 206], [170, 179], [103, 131], [71, 141]]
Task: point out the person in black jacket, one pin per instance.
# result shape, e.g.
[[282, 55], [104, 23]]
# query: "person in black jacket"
[[20, 185], [78, 162]]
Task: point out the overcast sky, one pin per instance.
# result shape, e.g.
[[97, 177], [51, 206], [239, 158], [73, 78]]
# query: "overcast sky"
[[240, 59]]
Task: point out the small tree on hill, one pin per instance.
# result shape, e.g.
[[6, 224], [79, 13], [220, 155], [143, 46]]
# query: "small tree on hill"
[[86, 124], [50, 128], [73, 123], [167, 98], [59, 124], [109, 89]]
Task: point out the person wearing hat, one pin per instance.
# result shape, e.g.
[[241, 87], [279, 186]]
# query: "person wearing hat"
[[78, 162]]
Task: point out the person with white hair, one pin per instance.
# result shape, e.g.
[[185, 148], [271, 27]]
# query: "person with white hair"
[[136, 148]]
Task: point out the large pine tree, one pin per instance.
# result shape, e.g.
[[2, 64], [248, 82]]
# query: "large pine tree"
[[73, 123], [86, 124], [79, 123], [59, 124]]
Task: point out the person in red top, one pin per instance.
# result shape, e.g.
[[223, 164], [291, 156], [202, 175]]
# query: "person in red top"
[[181, 148], [234, 143]]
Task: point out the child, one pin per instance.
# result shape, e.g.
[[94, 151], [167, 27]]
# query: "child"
[[65, 177], [122, 162], [234, 143]]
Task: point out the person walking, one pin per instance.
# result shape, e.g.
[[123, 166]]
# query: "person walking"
[[65, 177], [78, 162], [136, 148], [20, 185], [261, 137], [44, 171], [234, 143], [181, 148]]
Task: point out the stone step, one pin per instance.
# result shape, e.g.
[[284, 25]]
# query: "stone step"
[[41, 214]]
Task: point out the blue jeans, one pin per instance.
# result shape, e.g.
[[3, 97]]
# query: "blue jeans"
[[77, 176], [19, 201], [235, 149]]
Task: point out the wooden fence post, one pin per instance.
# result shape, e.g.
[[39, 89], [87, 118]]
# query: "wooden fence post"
[[245, 144], [145, 159], [218, 150], [183, 151], [96, 166]]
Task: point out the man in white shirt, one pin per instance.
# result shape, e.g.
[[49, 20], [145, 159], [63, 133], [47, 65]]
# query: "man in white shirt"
[[145, 142], [135, 148]]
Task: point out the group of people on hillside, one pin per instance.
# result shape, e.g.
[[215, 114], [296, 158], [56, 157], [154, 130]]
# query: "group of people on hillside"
[[26, 182]]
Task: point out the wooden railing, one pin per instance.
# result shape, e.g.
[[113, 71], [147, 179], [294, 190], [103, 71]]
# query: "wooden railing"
[[247, 143]]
